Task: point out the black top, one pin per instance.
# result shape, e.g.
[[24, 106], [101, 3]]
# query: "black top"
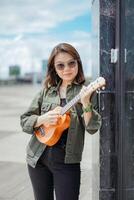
[[63, 102], [63, 139]]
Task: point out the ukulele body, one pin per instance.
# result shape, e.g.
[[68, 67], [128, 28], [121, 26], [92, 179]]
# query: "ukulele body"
[[50, 135]]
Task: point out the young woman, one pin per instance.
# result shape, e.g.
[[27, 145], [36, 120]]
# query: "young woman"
[[57, 167]]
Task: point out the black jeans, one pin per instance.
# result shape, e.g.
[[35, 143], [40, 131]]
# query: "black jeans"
[[51, 173]]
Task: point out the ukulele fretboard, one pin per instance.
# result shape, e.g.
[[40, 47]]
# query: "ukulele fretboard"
[[70, 104]]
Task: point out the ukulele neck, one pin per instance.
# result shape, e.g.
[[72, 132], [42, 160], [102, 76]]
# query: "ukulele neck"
[[97, 84], [70, 104]]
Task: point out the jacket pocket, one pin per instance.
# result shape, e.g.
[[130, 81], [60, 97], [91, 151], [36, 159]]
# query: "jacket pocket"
[[32, 146], [46, 107]]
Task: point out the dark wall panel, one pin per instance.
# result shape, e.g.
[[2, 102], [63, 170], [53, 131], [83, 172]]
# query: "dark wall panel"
[[108, 157]]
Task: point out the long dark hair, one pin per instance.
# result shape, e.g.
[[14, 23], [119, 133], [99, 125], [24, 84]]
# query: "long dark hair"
[[51, 77]]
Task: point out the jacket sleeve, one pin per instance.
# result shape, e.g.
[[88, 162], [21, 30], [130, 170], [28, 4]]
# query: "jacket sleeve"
[[29, 118], [95, 122]]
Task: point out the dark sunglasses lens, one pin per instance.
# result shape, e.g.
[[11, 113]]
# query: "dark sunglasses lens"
[[60, 66], [72, 64]]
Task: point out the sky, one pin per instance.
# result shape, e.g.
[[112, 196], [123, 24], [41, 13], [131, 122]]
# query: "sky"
[[30, 29]]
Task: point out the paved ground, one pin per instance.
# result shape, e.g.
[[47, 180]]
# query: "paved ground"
[[14, 180]]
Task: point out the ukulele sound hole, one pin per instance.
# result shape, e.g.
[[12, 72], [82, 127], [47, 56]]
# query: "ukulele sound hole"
[[42, 131]]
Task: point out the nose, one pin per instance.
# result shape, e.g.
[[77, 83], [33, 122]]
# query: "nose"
[[66, 66]]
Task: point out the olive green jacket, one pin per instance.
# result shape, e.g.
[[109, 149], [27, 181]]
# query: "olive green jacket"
[[48, 99]]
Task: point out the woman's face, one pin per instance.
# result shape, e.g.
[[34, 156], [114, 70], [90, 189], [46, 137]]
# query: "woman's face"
[[66, 67]]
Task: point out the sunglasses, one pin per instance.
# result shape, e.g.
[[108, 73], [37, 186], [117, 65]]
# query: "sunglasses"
[[61, 66]]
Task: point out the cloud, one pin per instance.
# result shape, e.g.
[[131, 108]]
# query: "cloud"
[[29, 31], [28, 51], [38, 16]]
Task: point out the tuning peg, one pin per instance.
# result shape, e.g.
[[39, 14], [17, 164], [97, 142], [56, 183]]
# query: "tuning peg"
[[98, 90]]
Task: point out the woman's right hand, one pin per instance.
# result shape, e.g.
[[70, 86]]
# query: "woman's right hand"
[[49, 118]]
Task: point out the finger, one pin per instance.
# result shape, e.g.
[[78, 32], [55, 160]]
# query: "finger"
[[56, 115], [53, 113], [58, 109], [57, 112], [86, 93], [51, 118], [84, 88], [53, 121]]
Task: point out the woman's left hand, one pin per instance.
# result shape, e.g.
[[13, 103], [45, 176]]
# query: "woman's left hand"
[[85, 95]]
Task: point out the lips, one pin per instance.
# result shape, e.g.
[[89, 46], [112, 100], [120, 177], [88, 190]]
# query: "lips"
[[67, 74]]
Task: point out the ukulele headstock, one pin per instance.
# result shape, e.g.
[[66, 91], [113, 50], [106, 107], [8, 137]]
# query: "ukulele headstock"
[[98, 84]]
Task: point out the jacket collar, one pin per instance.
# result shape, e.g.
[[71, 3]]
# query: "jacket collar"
[[56, 88]]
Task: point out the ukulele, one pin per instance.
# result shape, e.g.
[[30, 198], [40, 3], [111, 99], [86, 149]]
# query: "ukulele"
[[50, 134]]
